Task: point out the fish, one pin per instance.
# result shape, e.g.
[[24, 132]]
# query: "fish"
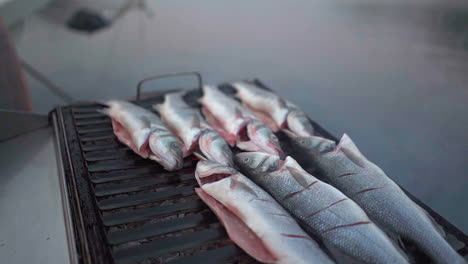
[[346, 168], [237, 125], [253, 219], [144, 132], [273, 110], [268, 106], [191, 128], [322, 210]]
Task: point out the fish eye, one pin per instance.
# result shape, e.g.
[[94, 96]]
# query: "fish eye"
[[246, 159], [303, 141], [274, 138]]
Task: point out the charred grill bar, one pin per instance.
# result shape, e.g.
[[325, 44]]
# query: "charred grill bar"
[[125, 209]]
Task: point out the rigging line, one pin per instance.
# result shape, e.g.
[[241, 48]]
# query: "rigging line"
[[46, 82]]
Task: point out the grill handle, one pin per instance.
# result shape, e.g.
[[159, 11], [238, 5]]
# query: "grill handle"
[[176, 74]]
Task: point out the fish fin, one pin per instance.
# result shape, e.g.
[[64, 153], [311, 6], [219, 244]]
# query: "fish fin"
[[157, 107], [339, 256], [105, 111], [437, 227], [195, 122], [281, 102], [235, 182], [351, 151], [238, 113], [298, 175]]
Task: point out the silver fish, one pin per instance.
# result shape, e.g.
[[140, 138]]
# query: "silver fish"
[[382, 199], [144, 133], [273, 110], [268, 106], [253, 219], [215, 148], [237, 124], [188, 124], [324, 211]]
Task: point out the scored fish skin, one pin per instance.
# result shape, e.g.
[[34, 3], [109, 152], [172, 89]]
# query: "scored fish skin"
[[273, 110], [144, 132], [236, 124], [323, 210], [268, 106], [382, 199], [277, 230]]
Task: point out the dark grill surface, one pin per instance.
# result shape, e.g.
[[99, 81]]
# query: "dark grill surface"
[[126, 209], [129, 210]]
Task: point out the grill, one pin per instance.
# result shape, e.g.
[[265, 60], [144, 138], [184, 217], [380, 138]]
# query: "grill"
[[125, 209]]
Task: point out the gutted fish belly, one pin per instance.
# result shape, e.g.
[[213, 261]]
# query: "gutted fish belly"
[[273, 110], [323, 211], [144, 133], [236, 124], [381, 198], [253, 219]]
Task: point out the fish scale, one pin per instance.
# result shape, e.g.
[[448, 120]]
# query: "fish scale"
[[347, 169], [324, 211], [260, 213]]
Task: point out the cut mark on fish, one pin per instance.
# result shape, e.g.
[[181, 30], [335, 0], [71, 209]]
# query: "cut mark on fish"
[[280, 214], [295, 193], [262, 200], [352, 157], [348, 225], [242, 186], [298, 176], [325, 208], [213, 178], [296, 236], [370, 189], [347, 174]]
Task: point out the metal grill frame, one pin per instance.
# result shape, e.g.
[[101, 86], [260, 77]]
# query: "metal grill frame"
[[86, 226]]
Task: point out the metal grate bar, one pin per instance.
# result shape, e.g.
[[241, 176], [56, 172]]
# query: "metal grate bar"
[[100, 155], [102, 146], [112, 165], [87, 115], [160, 228], [93, 129], [173, 244], [139, 185], [142, 198], [97, 137], [101, 177], [94, 121], [215, 256], [147, 213]]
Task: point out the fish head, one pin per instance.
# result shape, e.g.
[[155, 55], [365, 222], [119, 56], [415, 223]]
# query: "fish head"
[[263, 138], [209, 171], [167, 151], [310, 143], [298, 123], [215, 148], [257, 162]]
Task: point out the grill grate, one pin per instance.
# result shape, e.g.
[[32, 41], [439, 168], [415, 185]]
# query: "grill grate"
[[126, 209]]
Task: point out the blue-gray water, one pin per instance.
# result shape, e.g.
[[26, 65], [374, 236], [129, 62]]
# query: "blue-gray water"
[[391, 74]]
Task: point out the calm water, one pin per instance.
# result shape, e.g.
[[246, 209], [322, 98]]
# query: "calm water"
[[392, 75]]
